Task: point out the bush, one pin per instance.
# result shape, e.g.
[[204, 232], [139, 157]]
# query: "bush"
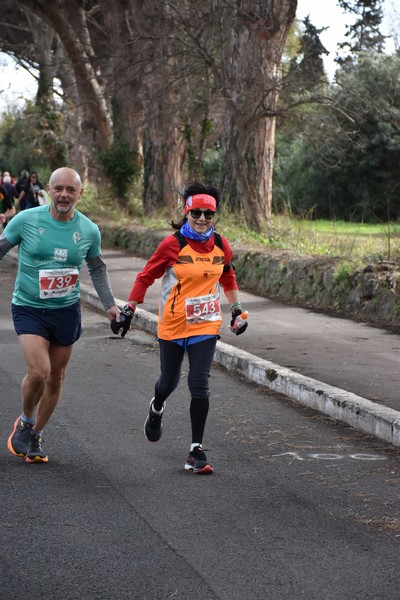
[[120, 168]]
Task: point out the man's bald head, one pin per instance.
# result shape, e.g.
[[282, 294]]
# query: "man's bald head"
[[63, 172], [65, 189]]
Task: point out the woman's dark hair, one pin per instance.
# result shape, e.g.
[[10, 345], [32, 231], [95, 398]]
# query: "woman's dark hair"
[[37, 179], [191, 189]]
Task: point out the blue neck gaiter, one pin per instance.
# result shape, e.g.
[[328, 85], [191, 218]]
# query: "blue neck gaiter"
[[188, 232]]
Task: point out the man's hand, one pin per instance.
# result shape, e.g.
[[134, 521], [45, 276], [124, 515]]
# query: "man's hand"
[[124, 322], [113, 312]]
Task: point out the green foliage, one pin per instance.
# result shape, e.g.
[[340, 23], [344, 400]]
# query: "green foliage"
[[363, 33], [50, 139], [197, 158], [292, 48], [93, 205], [306, 67], [26, 139], [343, 163], [120, 168], [352, 242], [212, 164], [343, 273], [193, 163]]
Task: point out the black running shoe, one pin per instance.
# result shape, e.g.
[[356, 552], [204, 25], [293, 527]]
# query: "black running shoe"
[[18, 442], [35, 452], [197, 462], [152, 425]]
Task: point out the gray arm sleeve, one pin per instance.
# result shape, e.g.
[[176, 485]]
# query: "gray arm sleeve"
[[5, 246], [98, 274]]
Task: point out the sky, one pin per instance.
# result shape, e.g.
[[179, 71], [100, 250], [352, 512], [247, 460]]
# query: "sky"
[[16, 84], [326, 13]]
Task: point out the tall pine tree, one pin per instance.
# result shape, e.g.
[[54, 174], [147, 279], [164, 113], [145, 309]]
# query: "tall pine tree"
[[364, 33]]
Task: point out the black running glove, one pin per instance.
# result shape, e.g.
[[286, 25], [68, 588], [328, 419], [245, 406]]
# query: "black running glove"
[[124, 322]]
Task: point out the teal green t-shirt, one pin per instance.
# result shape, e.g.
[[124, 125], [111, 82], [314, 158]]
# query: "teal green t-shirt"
[[50, 256]]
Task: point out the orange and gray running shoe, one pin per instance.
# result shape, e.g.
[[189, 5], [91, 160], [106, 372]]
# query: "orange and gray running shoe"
[[35, 452], [19, 440]]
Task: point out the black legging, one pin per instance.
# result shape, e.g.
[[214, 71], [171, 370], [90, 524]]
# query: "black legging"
[[200, 356]]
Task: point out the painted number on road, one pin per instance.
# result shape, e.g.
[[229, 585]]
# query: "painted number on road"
[[327, 456]]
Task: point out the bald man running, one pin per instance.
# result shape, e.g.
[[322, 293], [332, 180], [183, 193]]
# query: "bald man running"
[[53, 241]]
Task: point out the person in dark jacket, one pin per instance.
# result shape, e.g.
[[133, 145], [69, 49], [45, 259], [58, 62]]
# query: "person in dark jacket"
[[7, 209], [19, 186], [29, 196], [9, 186]]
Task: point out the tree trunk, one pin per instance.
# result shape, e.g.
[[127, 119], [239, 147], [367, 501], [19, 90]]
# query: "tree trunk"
[[164, 169], [253, 79], [123, 73], [68, 19]]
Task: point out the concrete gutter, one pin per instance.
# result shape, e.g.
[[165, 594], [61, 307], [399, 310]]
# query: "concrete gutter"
[[360, 413]]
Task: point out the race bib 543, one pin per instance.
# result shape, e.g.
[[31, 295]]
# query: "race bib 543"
[[203, 308]]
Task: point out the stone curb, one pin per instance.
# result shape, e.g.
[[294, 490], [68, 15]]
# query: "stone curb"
[[370, 292], [360, 413]]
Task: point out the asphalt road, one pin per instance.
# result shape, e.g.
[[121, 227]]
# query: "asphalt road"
[[356, 357], [299, 505]]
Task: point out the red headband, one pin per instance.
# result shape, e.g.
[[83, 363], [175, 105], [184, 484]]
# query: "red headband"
[[200, 201]]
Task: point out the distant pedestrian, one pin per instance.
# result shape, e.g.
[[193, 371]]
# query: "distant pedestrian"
[[29, 195], [193, 262], [19, 186], [7, 174], [53, 242], [9, 186], [7, 208]]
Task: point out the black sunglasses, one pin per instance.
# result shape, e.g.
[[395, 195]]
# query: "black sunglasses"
[[208, 214]]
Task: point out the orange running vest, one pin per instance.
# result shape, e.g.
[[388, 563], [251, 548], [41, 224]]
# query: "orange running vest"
[[190, 295]]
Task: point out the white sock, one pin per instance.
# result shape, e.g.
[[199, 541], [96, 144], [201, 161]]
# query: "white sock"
[[195, 445], [156, 412]]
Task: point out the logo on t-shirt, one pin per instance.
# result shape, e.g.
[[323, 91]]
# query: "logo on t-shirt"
[[76, 236], [60, 254]]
